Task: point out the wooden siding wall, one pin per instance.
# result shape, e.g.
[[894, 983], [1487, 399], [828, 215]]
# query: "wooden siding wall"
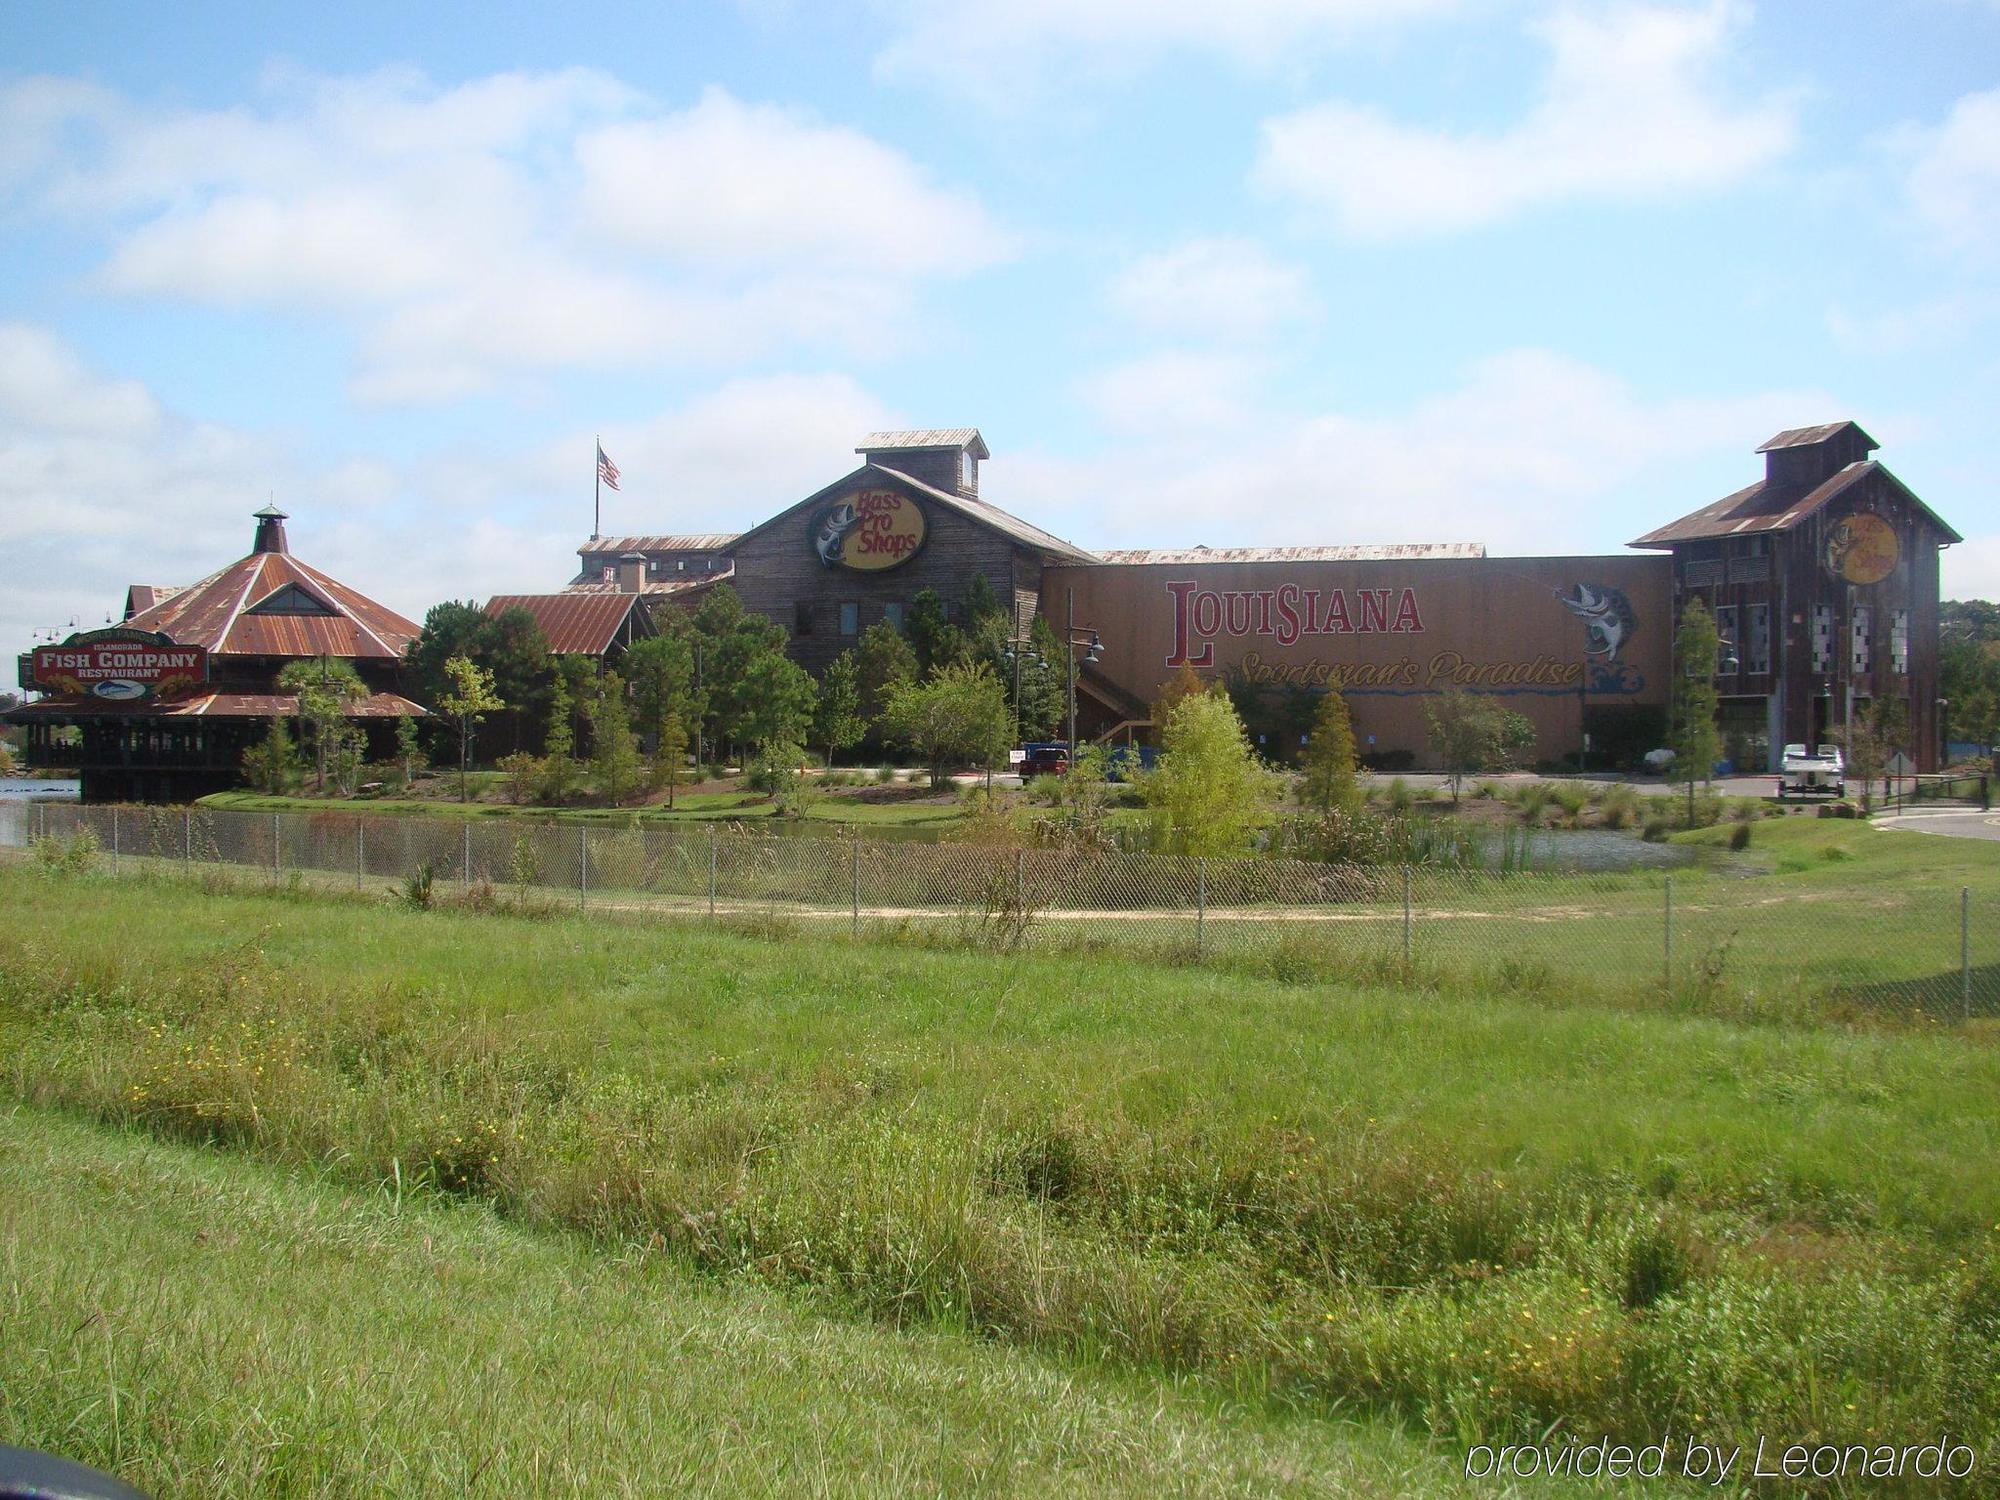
[[1799, 582], [777, 570]]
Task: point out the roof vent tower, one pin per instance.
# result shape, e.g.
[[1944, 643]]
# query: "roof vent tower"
[[945, 458], [270, 531], [1801, 457]]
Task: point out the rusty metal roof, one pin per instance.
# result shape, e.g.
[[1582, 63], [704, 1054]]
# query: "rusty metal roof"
[[1355, 552], [700, 541], [1806, 437], [926, 437], [213, 706], [145, 595], [676, 583], [1760, 508], [219, 613], [992, 515], [575, 623]]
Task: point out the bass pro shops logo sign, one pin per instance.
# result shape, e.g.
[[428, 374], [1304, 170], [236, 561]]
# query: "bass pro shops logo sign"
[[868, 531]]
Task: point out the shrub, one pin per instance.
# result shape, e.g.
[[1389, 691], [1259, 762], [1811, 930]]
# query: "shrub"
[[1739, 836], [66, 855], [419, 891], [524, 774]]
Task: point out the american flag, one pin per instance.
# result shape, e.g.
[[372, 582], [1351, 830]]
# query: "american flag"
[[606, 469]]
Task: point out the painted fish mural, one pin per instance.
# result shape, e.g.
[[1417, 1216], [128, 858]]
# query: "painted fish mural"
[[1608, 618], [831, 530]]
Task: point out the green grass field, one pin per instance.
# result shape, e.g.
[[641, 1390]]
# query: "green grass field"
[[1474, 1213], [689, 807], [209, 1326]]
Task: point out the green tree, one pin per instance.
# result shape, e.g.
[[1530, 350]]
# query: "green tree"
[[958, 716], [935, 640], [466, 700], [1969, 670], [670, 756], [557, 776], [1695, 741], [661, 672], [1209, 791], [741, 655], [409, 749], [272, 764], [326, 687], [778, 697], [1470, 733], [510, 646], [837, 720], [982, 603], [883, 661], [1329, 758], [1185, 683], [1871, 741], [614, 758]]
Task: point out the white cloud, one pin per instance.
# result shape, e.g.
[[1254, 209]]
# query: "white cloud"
[[984, 47], [1629, 111], [1954, 175], [1530, 452], [102, 487], [1226, 288], [516, 224], [1971, 570], [1174, 391], [726, 183]]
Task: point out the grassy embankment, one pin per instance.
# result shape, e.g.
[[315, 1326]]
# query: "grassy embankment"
[[733, 806], [1473, 1214], [1816, 918], [209, 1326]]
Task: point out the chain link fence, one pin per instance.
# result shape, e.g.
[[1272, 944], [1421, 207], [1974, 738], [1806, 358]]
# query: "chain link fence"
[[1709, 941]]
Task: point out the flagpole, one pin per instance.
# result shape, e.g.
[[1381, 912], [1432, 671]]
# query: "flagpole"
[[597, 493]]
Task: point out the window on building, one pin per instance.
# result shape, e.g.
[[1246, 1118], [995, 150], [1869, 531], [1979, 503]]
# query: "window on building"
[[1899, 642], [1757, 649], [802, 619], [893, 613], [850, 619], [968, 469], [1822, 638], [1862, 656], [1729, 643]]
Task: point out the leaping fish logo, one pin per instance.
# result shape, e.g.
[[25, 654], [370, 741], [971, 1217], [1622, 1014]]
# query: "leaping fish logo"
[[831, 531], [1608, 617]]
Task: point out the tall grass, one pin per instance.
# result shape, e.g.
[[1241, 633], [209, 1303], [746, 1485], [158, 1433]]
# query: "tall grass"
[[1474, 1215]]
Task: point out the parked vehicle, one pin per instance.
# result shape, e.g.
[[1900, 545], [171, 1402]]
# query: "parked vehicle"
[[1045, 760], [1809, 775]]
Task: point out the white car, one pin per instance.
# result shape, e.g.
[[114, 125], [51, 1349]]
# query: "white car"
[[1809, 775]]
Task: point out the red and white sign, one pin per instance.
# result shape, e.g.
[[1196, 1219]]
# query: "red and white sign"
[[119, 666]]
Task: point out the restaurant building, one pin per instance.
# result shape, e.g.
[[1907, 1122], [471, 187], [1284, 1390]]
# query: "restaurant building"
[[161, 707], [1823, 577]]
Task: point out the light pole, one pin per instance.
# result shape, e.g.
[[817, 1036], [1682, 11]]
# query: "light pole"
[[1072, 638]]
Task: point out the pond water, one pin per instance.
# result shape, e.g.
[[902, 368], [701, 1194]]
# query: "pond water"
[[1594, 849], [31, 789]]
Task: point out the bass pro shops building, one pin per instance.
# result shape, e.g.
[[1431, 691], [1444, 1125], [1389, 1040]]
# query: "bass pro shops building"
[[1823, 576]]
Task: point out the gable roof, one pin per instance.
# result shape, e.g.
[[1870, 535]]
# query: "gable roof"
[[1351, 552], [1760, 507], [1807, 437], [926, 437], [977, 511], [575, 622], [218, 613], [699, 541]]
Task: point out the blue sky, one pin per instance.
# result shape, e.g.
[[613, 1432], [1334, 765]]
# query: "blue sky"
[[1306, 271]]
